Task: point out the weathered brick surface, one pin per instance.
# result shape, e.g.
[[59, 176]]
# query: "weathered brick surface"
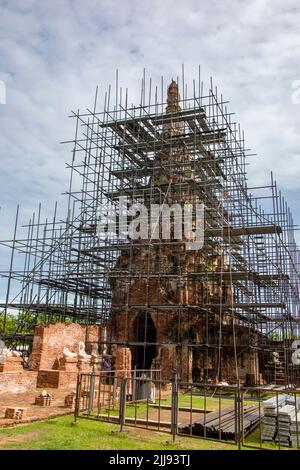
[[15, 413], [59, 379], [123, 361], [123, 365], [48, 378], [84, 366], [16, 382], [50, 340], [70, 364], [190, 364], [47, 358], [43, 401], [34, 413], [12, 364]]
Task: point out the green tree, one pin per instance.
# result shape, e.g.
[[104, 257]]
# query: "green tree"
[[11, 322]]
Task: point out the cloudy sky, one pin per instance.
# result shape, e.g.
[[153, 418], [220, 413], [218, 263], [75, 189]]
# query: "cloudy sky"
[[55, 52]]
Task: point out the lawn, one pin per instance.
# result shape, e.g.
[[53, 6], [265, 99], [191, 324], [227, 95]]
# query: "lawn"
[[143, 410], [60, 434], [90, 435]]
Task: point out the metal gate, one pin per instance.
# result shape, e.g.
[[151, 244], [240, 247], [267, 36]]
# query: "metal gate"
[[260, 418]]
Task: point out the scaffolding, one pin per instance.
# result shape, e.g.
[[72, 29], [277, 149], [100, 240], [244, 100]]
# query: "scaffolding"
[[241, 290]]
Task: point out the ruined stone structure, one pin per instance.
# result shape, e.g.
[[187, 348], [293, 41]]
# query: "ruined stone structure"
[[163, 276], [49, 365], [226, 310]]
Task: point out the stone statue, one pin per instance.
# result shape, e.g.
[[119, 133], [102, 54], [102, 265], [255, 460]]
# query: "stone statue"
[[10, 360], [296, 353], [296, 357], [95, 353], [96, 358], [10, 353], [81, 352], [275, 359], [151, 392], [69, 354]]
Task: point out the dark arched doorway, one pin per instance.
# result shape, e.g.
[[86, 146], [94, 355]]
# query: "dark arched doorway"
[[144, 332]]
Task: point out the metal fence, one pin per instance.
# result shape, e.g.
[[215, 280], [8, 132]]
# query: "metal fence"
[[260, 418]]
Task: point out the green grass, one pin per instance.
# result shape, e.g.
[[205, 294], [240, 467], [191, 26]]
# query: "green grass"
[[88, 435], [200, 401], [59, 434], [139, 410]]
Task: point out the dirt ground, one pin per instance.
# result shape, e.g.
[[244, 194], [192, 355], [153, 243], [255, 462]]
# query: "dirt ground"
[[33, 412], [183, 416]]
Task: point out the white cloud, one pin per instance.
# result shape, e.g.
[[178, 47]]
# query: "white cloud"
[[53, 54]]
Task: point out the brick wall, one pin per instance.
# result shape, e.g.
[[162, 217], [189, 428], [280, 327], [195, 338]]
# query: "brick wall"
[[17, 381], [50, 340], [57, 379]]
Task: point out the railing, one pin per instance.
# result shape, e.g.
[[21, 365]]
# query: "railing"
[[101, 395], [260, 418]]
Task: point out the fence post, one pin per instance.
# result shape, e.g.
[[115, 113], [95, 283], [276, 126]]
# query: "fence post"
[[174, 409], [92, 390], [115, 388], [123, 402], [238, 417], [77, 399], [134, 394]]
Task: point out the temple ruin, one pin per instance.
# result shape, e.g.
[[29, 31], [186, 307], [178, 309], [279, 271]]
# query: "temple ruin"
[[225, 312]]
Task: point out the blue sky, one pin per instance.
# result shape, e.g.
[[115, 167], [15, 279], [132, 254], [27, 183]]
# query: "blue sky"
[[54, 53]]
